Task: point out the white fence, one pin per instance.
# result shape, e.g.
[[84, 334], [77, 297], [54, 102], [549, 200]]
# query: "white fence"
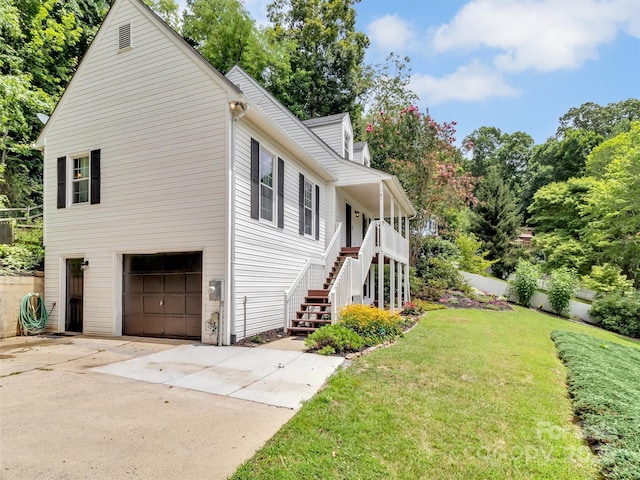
[[539, 299]]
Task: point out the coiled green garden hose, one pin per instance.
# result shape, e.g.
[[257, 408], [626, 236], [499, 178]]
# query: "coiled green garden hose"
[[33, 318]]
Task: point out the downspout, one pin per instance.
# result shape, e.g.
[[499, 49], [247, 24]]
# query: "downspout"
[[237, 110]]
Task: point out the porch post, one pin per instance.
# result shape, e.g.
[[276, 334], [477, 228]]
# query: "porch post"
[[407, 296], [392, 214], [380, 251], [399, 288], [392, 285]]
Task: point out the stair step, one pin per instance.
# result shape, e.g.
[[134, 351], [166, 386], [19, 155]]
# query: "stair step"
[[317, 313], [318, 293], [319, 305], [304, 330], [296, 322]]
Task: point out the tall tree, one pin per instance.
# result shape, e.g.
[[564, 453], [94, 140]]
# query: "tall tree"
[[508, 153], [168, 10], [421, 153], [327, 62], [556, 213], [606, 121], [612, 206], [558, 161], [225, 34], [41, 42], [495, 219]]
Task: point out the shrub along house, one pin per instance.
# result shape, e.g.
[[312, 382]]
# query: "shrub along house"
[[180, 202]]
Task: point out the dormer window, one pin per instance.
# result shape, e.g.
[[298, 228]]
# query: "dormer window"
[[347, 146]]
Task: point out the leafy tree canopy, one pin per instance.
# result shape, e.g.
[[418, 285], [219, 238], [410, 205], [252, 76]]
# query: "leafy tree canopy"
[[606, 121], [41, 42], [327, 62]]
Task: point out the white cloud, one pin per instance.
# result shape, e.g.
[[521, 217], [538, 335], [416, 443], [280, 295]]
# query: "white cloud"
[[473, 82], [390, 34], [542, 35]]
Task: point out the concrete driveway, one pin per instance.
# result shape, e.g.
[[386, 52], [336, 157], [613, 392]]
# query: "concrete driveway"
[[94, 408]]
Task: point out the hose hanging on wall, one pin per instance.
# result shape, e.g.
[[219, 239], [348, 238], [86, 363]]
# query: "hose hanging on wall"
[[33, 314]]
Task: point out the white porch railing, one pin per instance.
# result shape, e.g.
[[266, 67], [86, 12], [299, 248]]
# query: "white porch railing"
[[311, 277], [392, 244], [341, 293], [380, 238]]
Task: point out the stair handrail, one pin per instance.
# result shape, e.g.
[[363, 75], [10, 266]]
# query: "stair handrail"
[[294, 294], [367, 250], [333, 250], [341, 292]]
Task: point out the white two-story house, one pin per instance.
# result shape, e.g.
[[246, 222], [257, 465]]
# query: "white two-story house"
[[180, 202]]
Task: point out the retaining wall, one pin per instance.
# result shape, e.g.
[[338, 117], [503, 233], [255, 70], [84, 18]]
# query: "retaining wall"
[[12, 290], [539, 299]]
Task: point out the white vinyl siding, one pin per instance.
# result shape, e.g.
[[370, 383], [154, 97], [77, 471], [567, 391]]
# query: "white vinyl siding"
[[160, 122], [267, 258]]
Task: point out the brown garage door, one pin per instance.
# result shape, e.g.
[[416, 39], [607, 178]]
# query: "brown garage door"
[[162, 295]]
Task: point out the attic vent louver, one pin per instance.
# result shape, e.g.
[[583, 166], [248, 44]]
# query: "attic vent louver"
[[124, 36]]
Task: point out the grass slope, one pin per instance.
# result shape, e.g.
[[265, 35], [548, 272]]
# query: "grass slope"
[[466, 394], [604, 382]]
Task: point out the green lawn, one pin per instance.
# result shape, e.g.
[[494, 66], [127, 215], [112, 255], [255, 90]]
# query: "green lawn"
[[466, 394]]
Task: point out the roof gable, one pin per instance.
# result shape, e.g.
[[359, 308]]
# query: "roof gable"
[[150, 18]]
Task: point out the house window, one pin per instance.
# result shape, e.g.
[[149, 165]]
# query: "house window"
[[83, 172], [347, 146], [308, 208], [266, 185], [309, 203], [80, 179]]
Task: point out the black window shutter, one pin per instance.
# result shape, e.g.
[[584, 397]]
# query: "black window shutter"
[[255, 179], [301, 203], [95, 176], [62, 182], [364, 225], [280, 193], [317, 212]]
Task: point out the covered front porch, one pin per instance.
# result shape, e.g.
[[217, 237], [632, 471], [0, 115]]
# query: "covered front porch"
[[371, 231]]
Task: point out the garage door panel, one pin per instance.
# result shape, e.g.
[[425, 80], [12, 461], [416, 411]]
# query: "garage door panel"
[[133, 283], [193, 283], [152, 304], [152, 284], [135, 324], [174, 326], [174, 283], [193, 326], [174, 305], [154, 325], [132, 304], [193, 305]]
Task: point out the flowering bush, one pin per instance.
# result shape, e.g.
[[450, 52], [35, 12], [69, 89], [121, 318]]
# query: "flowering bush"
[[373, 324]]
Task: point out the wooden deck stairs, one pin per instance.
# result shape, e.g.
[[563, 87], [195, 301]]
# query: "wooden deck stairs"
[[315, 312]]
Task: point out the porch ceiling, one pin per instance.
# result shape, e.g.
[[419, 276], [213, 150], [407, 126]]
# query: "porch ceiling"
[[368, 195]]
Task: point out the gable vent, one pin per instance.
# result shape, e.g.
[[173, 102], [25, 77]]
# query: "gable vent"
[[124, 36]]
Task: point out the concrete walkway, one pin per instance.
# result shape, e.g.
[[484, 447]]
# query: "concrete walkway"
[[199, 411]]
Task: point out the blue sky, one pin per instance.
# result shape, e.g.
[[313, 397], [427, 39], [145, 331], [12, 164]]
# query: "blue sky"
[[514, 64]]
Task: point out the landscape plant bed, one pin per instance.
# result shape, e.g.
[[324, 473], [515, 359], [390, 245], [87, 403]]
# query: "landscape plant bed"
[[475, 299], [604, 384], [465, 394]]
